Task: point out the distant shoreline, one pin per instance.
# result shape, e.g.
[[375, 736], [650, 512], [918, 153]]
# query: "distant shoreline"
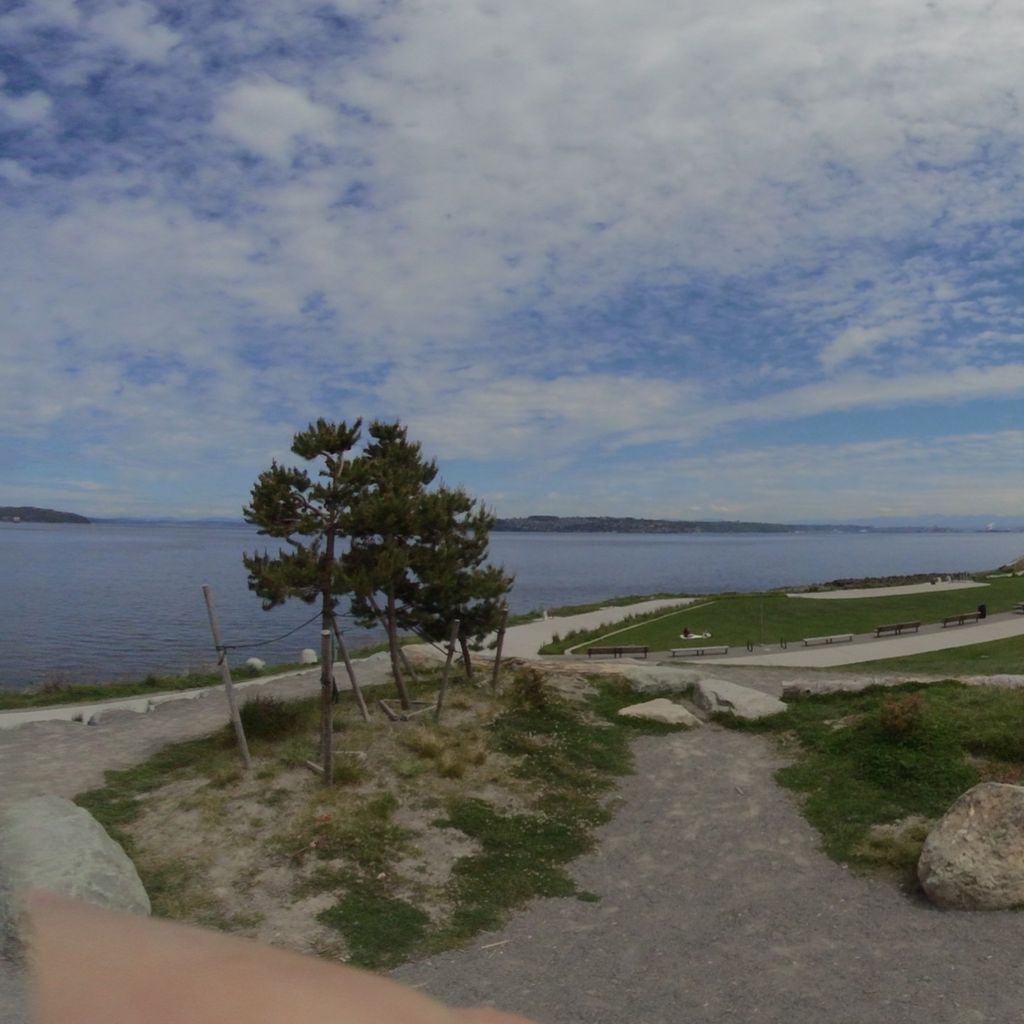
[[627, 524]]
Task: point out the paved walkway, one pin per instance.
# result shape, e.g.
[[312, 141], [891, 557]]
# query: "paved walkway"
[[866, 648], [907, 588]]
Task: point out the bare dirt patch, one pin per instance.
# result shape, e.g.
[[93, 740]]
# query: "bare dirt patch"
[[266, 853]]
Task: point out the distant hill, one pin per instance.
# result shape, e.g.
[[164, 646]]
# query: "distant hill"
[[30, 514], [627, 524]]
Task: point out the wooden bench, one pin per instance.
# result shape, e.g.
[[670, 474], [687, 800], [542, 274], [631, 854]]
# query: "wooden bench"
[[959, 620], [896, 628], [698, 651], [618, 652], [1019, 607], [837, 638]]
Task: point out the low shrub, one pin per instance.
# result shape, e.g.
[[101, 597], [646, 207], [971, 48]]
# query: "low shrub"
[[528, 691], [899, 716], [268, 718]]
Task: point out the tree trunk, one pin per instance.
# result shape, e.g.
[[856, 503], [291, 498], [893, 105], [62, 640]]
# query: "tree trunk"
[[467, 662], [396, 655]]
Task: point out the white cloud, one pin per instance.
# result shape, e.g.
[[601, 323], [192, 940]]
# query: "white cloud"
[[546, 234], [271, 118], [133, 29], [29, 108]]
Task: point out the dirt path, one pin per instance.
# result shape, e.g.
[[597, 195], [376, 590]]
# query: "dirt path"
[[716, 906]]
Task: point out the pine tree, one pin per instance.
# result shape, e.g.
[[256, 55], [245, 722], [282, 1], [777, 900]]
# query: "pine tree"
[[453, 579], [386, 530], [311, 516]]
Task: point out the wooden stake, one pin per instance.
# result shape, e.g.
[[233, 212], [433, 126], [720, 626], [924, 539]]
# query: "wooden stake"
[[356, 691], [447, 666], [326, 700], [497, 653], [225, 674]]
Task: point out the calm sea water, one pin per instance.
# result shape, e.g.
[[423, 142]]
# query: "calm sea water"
[[109, 601]]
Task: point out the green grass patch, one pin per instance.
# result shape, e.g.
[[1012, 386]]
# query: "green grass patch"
[[770, 617], [889, 754], [380, 930]]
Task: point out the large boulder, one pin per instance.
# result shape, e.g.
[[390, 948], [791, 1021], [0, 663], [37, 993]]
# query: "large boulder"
[[661, 710], [48, 843], [974, 857], [645, 678], [718, 696]]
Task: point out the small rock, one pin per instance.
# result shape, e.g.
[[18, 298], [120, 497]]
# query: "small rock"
[[715, 695], [974, 857], [661, 710], [308, 656], [49, 843]]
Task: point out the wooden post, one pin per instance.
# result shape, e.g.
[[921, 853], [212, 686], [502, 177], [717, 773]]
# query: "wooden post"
[[405, 661], [357, 693], [326, 701], [497, 653], [225, 674], [447, 667]]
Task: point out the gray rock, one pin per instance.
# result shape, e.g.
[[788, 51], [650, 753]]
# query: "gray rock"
[[47, 842], [661, 710], [116, 714], [308, 656], [716, 695], [974, 857], [644, 678]]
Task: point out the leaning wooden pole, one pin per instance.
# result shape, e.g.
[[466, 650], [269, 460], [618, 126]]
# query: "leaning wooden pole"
[[356, 691], [497, 653], [225, 674], [453, 634]]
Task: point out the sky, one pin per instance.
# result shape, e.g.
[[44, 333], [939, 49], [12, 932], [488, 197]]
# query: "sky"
[[742, 259]]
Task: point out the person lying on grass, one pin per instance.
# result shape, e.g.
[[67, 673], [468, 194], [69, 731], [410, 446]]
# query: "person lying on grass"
[[687, 635]]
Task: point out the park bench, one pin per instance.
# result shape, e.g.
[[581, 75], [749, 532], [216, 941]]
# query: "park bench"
[[618, 652], [959, 620], [897, 628], [1019, 607], [698, 651], [836, 638]]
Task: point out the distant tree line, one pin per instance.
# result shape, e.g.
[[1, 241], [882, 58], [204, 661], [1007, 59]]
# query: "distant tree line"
[[629, 524], [31, 514]]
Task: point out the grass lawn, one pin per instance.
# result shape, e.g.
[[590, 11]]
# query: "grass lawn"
[[865, 762], [431, 834], [769, 618]]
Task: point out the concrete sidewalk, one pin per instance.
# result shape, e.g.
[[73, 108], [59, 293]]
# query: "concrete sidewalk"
[[867, 648], [526, 640]]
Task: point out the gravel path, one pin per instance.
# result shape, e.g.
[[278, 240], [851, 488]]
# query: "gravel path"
[[716, 906]]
